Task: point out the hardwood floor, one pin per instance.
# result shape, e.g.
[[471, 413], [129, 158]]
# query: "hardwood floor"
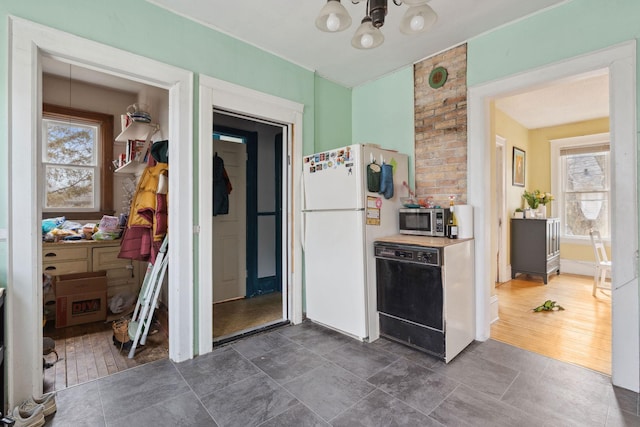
[[581, 334], [86, 352], [238, 315]]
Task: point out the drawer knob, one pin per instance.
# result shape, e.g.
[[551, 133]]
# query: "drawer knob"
[[51, 267], [50, 254]]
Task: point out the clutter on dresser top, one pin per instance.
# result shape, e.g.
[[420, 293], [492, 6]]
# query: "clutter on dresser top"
[[60, 229]]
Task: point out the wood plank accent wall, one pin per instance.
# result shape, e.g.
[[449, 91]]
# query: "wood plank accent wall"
[[441, 128]]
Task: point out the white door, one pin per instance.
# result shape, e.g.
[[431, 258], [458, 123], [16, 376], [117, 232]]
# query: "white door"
[[229, 231], [335, 269]]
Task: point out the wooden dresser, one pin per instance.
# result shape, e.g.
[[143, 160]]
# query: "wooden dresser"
[[83, 256]]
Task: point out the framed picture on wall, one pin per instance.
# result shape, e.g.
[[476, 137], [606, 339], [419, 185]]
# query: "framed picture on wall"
[[518, 167]]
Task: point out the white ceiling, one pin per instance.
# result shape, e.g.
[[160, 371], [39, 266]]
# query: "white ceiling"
[[287, 29], [261, 24], [75, 72], [583, 97]]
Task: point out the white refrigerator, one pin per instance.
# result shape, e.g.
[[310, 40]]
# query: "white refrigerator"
[[342, 219]]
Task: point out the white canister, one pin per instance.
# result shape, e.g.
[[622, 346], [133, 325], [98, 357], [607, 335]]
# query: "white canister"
[[464, 215]]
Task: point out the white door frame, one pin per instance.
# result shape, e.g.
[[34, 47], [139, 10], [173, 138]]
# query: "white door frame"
[[216, 93], [621, 63], [502, 272], [24, 288]]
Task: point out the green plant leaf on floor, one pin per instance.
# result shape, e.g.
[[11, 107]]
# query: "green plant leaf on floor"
[[548, 305]]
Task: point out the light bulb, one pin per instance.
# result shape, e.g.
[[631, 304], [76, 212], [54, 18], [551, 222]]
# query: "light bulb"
[[333, 22], [417, 23], [366, 40]]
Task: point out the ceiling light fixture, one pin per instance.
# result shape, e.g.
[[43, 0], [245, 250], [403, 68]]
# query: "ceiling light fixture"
[[333, 17]]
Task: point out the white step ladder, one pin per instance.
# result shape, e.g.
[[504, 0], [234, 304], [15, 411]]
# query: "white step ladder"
[[147, 299]]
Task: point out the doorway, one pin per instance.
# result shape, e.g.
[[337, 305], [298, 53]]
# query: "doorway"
[[247, 237], [501, 207], [535, 119], [243, 102], [24, 291], [620, 61], [85, 351]]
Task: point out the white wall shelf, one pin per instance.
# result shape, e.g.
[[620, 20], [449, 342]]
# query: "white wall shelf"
[[136, 131], [132, 167]]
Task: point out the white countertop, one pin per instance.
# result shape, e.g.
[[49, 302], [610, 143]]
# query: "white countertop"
[[409, 239]]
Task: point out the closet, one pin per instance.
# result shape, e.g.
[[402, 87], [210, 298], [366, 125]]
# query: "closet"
[[74, 87]]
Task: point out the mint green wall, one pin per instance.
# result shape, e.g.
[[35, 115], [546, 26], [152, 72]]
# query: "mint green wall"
[[142, 28], [383, 113], [572, 29], [332, 116]]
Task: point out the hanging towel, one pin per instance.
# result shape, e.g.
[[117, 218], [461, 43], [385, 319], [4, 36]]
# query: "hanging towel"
[[386, 181], [221, 187]]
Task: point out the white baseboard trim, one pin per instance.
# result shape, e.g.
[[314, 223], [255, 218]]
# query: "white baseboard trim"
[[572, 266], [493, 303]]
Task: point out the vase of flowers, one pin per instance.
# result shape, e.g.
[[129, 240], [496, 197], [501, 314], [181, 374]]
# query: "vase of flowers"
[[537, 201], [542, 211]]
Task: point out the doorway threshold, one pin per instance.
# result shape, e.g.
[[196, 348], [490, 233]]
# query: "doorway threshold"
[[248, 332]]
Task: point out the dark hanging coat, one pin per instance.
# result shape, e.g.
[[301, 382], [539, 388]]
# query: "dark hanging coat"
[[221, 187]]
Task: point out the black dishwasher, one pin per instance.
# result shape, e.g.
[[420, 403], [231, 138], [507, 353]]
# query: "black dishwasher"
[[410, 296]]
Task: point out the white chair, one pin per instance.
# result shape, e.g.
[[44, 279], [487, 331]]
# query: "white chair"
[[603, 265]]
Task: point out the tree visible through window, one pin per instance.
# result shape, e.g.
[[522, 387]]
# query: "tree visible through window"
[[70, 164], [585, 190], [76, 161]]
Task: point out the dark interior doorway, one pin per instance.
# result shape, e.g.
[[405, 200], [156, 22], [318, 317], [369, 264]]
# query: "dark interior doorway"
[[260, 302]]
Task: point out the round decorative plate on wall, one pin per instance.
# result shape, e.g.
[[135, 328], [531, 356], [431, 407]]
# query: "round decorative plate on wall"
[[438, 77]]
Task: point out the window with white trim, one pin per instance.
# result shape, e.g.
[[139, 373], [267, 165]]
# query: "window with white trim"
[[582, 185]]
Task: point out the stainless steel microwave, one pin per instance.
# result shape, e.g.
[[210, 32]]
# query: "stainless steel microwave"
[[424, 221]]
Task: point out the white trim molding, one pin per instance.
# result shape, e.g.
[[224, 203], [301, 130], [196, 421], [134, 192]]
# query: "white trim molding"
[[580, 267], [620, 61], [555, 146], [28, 43], [502, 243], [494, 309], [220, 94]]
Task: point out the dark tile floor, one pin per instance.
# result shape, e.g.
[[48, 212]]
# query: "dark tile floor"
[[307, 375]]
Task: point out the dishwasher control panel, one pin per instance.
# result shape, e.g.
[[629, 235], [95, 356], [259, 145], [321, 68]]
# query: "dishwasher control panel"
[[419, 255]]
